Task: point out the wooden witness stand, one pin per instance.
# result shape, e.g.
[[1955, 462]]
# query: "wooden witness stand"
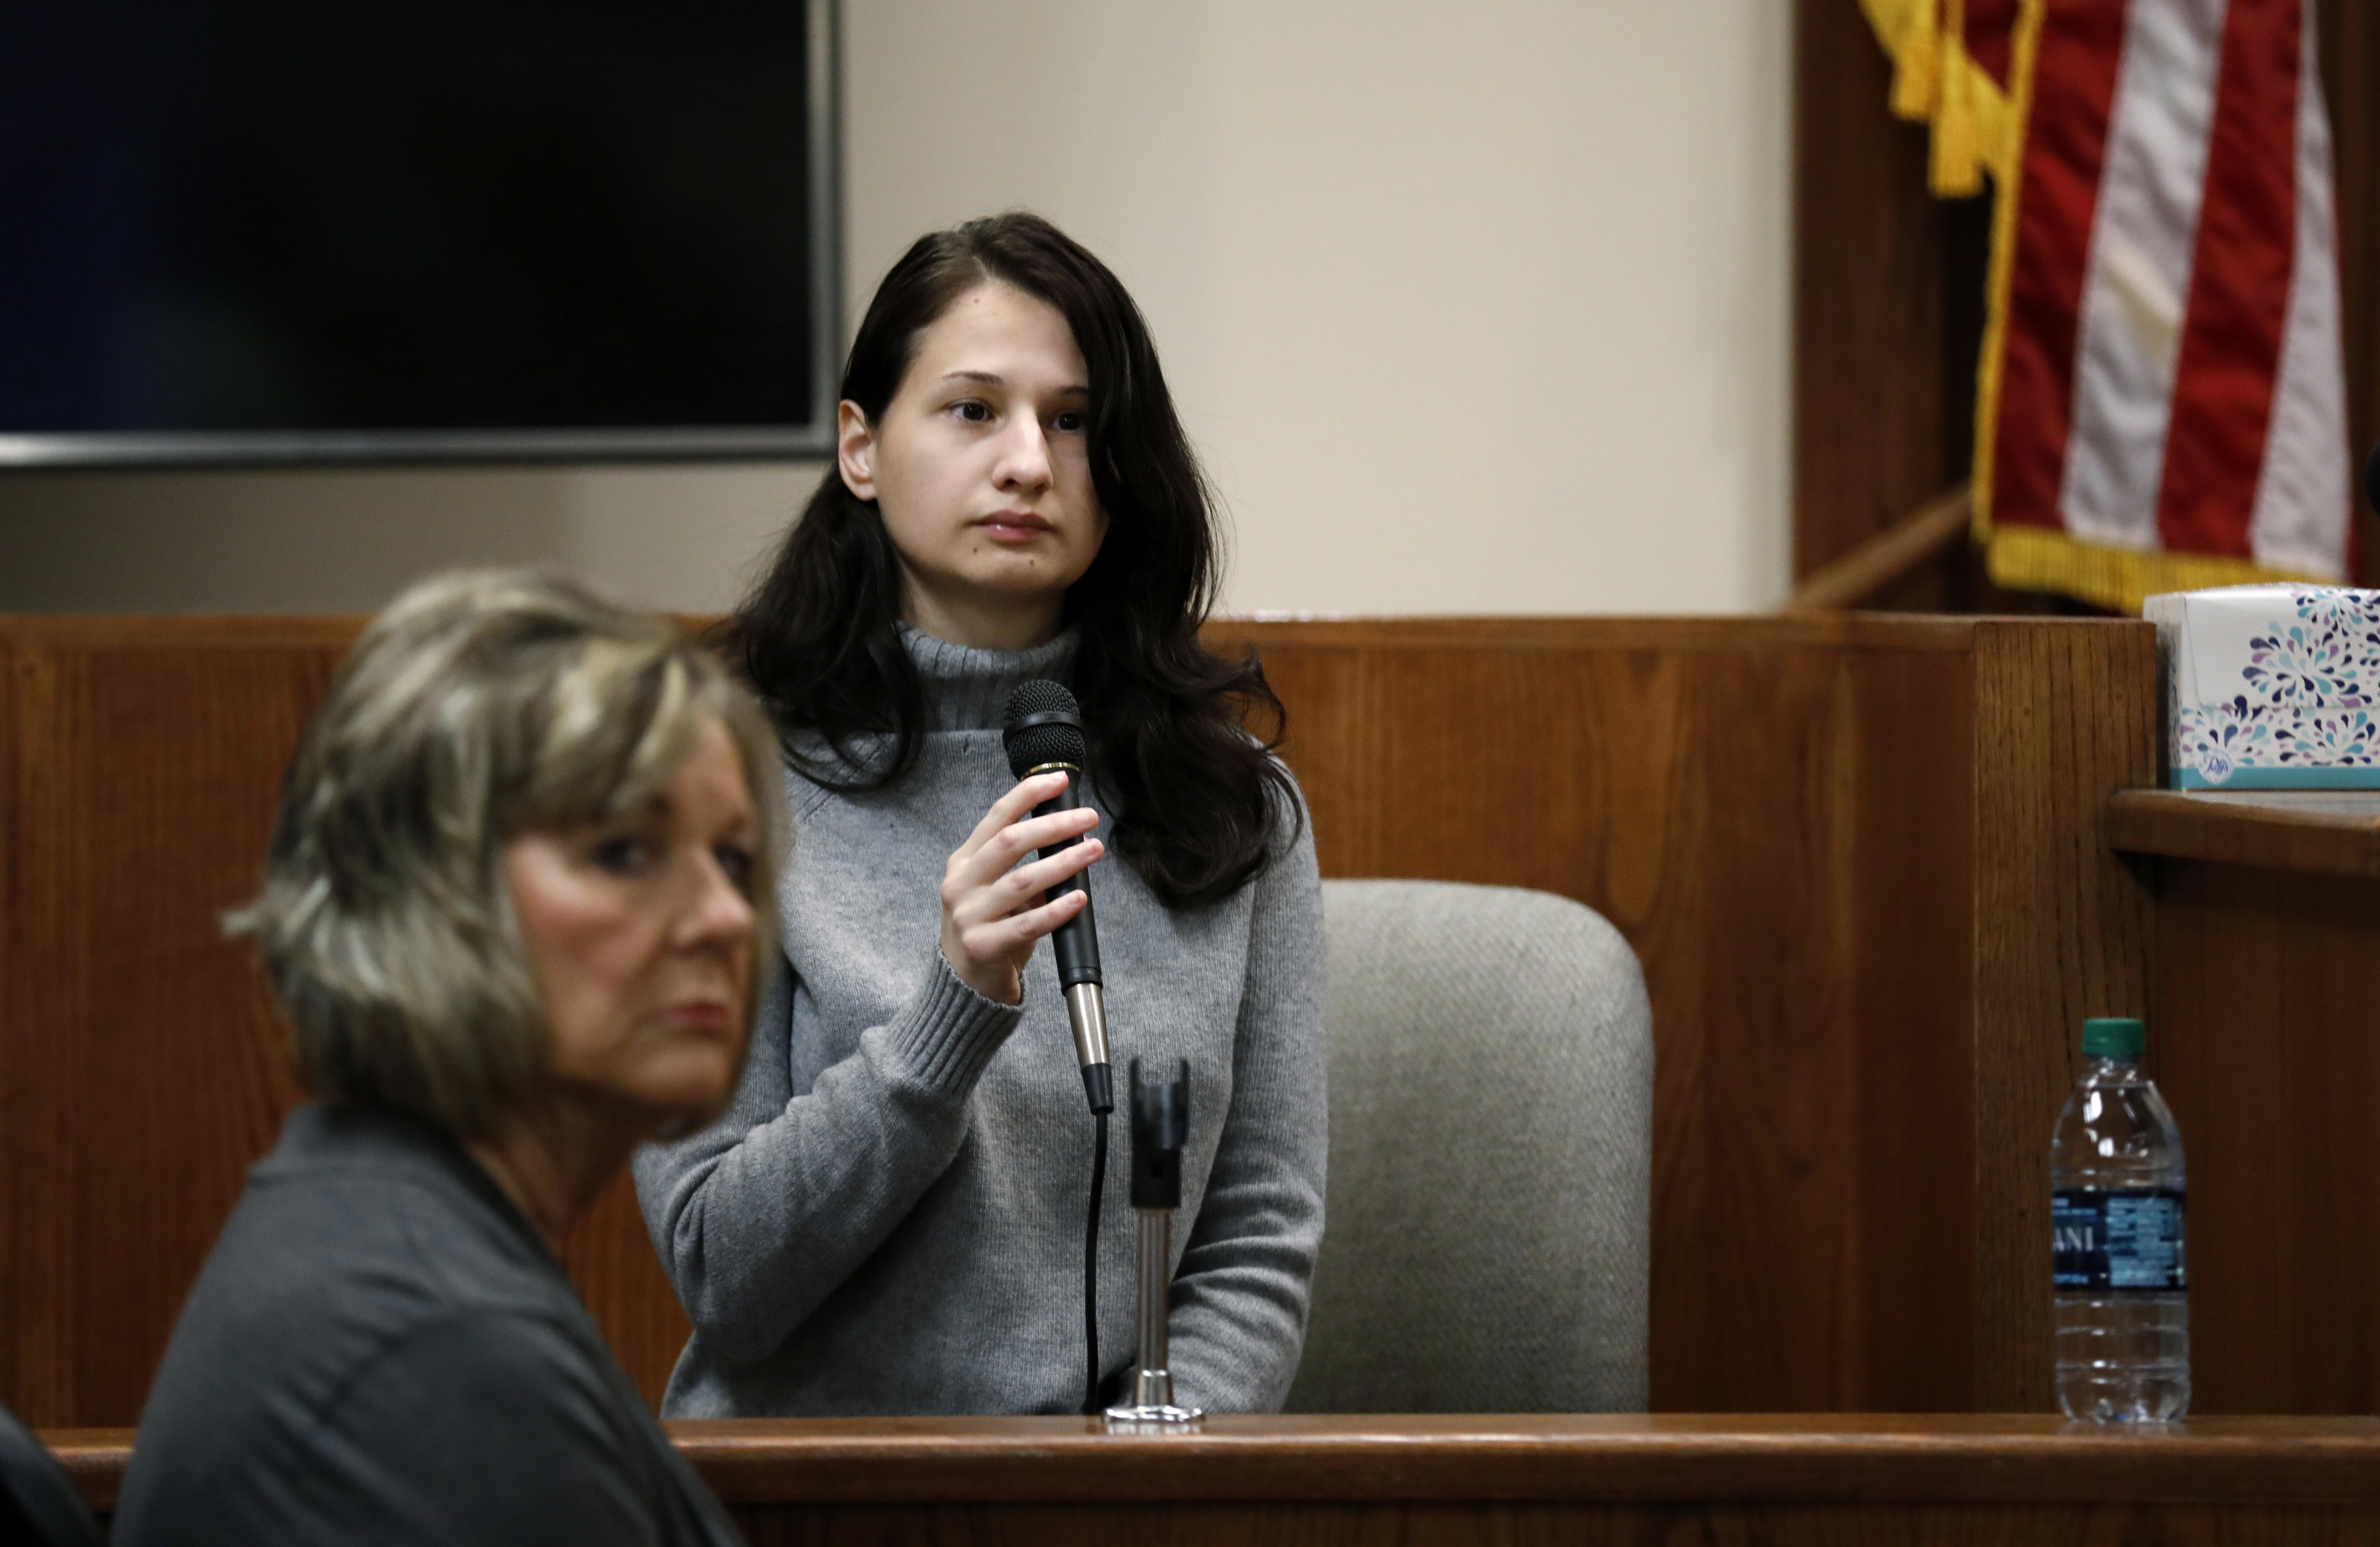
[[1988, 1481], [1859, 857], [1864, 861]]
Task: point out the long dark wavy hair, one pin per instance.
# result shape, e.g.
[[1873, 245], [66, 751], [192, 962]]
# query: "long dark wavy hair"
[[1194, 797]]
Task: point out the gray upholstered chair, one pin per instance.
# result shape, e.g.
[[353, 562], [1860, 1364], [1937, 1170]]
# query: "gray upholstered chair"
[[1488, 1247]]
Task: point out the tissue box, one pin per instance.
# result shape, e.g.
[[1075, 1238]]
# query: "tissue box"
[[2270, 687]]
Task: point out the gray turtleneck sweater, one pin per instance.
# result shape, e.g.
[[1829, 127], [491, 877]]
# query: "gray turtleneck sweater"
[[889, 1219]]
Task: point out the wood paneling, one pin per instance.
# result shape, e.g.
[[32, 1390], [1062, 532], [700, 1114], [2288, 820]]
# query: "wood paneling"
[[1858, 856], [1505, 1480], [1887, 317], [611, 1259], [1825, 1524], [144, 1066], [1874, 434], [2350, 73], [2065, 716], [2263, 1041], [2265, 972]]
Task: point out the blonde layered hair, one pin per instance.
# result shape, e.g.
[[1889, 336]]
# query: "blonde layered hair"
[[477, 707]]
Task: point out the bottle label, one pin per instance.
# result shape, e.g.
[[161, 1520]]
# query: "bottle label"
[[2116, 1239]]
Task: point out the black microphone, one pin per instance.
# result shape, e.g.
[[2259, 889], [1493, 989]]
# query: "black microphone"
[[1042, 730]]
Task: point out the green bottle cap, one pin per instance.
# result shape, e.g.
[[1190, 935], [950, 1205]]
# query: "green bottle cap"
[[2111, 1036]]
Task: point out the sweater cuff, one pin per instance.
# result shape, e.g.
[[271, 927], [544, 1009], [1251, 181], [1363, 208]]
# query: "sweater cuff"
[[950, 1032]]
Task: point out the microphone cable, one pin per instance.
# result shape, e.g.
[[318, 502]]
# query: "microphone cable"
[[1091, 1269]]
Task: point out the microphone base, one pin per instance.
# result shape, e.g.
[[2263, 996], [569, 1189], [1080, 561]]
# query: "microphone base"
[[1166, 1420], [1152, 1409]]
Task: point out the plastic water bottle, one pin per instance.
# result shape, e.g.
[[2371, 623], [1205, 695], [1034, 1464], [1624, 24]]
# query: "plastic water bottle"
[[2116, 1211]]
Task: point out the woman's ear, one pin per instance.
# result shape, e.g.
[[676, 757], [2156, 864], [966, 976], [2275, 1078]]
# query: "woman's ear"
[[854, 449]]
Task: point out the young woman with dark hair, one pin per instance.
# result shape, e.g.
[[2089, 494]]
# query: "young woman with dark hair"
[[889, 1217]]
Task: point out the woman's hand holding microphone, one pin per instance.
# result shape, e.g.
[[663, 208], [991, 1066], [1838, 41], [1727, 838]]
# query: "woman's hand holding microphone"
[[991, 907]]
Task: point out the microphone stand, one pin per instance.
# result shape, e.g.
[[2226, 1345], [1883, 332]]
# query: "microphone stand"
[[1160, 1126]]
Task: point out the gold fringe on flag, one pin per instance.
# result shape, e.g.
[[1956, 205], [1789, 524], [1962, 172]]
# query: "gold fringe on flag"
[[1937, 82], [2039, 559]]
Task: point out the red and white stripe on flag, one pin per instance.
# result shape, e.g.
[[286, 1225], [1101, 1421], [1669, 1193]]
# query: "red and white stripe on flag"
[[2163, 398]]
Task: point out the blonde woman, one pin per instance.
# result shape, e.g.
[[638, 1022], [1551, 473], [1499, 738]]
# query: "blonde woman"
[[513, 908]]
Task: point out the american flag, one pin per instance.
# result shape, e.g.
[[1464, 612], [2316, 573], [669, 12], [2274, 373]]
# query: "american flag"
[[2163, 391]]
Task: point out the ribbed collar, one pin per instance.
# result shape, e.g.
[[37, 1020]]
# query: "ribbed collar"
[[967, 688]]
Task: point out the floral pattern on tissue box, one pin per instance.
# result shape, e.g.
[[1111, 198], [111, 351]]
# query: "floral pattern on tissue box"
[[2307, 691]]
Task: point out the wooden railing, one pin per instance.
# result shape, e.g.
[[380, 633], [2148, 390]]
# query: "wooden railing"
[[2007, 1481]]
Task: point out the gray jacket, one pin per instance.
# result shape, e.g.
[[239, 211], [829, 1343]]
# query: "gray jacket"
[[382, 1352]]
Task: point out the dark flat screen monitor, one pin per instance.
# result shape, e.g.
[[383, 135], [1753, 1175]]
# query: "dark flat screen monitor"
[[267, 231]]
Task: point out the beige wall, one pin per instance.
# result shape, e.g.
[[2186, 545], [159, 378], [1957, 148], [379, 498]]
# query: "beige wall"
[[1476, 307]]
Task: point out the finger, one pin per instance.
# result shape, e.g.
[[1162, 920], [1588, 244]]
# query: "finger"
[[995, 858], [1023, 797], [1027, 793], [1002, 895], [1056, 828], [1028, 879], [1018, 931]]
